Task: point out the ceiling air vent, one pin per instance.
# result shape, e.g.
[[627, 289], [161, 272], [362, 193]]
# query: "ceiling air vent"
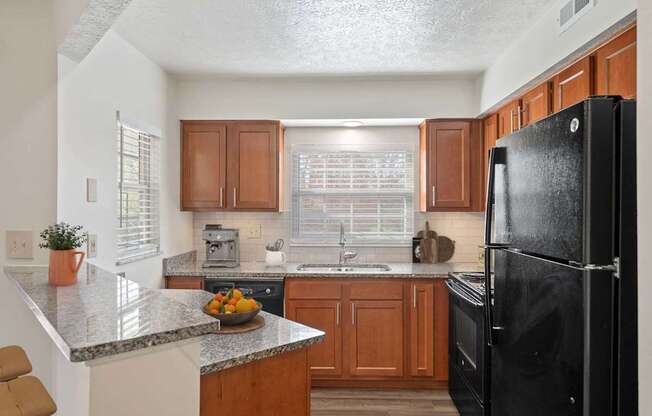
[[570, 12]]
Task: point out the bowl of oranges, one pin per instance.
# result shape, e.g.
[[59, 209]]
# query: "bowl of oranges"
[[233, 308]]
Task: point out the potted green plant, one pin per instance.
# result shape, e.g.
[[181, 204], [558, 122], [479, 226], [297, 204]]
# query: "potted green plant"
[[62, 239]]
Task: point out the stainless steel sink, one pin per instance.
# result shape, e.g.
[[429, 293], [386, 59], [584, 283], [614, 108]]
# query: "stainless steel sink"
[[329, 268]]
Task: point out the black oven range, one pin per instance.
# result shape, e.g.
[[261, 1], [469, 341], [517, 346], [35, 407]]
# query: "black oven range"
[[468, 352]]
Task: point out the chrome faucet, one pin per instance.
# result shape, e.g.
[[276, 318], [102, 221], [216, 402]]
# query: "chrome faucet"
[[345, 255]]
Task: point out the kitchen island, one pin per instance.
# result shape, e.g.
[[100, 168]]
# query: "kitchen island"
[[122, 344]]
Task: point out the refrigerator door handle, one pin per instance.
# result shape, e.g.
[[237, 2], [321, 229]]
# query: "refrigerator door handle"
[[495, 154]]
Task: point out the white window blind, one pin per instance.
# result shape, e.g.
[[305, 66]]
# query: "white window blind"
[[138, 194], [369, 190]]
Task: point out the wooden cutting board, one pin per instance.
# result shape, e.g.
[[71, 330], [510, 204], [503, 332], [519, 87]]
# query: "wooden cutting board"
[[257, 322], [428, 245]]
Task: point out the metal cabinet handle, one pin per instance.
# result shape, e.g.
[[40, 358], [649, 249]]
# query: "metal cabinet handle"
[[221, 197], [353, 313], [520, 121], [434, 195], [337, 314], [414, 296], [235, 197]]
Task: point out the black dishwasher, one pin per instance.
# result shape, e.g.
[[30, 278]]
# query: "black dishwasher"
[[268, 292]]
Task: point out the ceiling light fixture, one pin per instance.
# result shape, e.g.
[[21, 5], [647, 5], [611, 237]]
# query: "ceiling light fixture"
[[353, 123]]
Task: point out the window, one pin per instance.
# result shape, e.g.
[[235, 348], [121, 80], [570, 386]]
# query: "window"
[[367, 188], [138, 233]]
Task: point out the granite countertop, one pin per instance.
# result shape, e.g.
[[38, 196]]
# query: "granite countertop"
[[222, 351], [186, 264], [104, 314]]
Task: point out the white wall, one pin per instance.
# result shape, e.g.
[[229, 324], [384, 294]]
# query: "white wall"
[[464, 228], [541, 47], [644, 154], [116, 77], [283, 98], [28, 154]]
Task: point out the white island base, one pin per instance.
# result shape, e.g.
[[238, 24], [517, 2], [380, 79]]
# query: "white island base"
[[158, 381]]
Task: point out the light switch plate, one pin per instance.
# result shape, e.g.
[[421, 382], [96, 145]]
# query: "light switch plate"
[[91, 190], [20, 244], [254, 232], [91, 246]]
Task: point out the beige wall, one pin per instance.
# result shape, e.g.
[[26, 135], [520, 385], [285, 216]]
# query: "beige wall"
[[28, 156], [644, 155]]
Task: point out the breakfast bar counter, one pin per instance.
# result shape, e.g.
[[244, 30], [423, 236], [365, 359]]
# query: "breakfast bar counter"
[[122, 344]]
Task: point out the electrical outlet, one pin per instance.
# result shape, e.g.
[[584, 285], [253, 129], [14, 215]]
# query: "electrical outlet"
[[91, 246], [254, 232], [20, 245]]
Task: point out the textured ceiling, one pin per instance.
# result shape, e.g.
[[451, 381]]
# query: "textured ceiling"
[[325, 37]]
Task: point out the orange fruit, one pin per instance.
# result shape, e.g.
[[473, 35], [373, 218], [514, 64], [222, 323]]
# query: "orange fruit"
[[237, 294], [213, 311], [229, 308], [254, 304], [219, 297], [243, 305], [233, 301], [215, 304]]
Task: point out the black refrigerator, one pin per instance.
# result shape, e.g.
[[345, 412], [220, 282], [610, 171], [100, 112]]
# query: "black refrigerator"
[[561, 243]]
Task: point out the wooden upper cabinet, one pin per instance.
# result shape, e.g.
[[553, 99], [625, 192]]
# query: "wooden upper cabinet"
[[615, 66], [421, 321], [325, 358], [573, 84], [253, 165], [231, 165], [490, 133], [448, 165], [536, 104], [374, 336], [509, 118], [203, 165]]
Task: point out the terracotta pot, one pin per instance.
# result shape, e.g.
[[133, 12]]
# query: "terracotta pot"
[[64, 267]]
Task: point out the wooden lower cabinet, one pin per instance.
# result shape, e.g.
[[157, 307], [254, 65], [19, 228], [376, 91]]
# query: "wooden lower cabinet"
[[379, 332], [421, 334], [375, 338], [325, 358], [278, 385], [183, 282]]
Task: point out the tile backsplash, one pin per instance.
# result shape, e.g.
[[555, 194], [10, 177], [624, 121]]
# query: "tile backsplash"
[[465, 228]]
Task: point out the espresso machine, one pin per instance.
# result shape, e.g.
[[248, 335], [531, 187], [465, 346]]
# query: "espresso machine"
[[222, 246]]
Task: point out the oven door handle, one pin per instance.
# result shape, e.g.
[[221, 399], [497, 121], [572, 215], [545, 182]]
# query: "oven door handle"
[[460, 295]]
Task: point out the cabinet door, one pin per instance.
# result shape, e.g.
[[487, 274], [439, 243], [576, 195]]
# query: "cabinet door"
[[375, 338], [536, 104], [573, 84], [449, 165], [324, 359], [509, 119], [203, 165], [615, 66], [441, 331], [421, 317], [253, 166], [490, 132]]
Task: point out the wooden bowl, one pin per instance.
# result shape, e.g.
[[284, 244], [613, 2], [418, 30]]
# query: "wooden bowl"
[[235, 318]]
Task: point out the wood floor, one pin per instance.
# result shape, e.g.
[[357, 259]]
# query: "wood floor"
[[346, 402]]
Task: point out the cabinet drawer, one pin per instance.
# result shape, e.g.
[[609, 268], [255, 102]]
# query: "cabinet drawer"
[[313, 289], [174, 282], [376, 290]]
